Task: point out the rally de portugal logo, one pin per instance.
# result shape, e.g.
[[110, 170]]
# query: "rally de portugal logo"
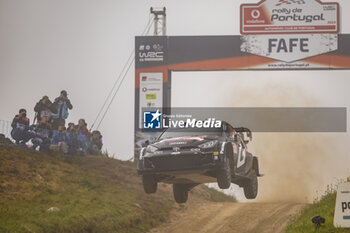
[[290, 17], [152, 120]]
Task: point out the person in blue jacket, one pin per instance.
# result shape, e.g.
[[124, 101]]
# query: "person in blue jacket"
[[96, 144], [62, 104], [72, 138], [59, 140]]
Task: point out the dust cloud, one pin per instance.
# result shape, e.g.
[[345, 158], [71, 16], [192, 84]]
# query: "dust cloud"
[[296, 166]]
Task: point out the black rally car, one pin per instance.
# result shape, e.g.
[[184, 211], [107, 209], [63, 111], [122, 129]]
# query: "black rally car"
[[188, 157]]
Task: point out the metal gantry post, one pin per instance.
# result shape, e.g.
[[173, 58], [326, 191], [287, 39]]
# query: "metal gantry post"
[[159, 20]]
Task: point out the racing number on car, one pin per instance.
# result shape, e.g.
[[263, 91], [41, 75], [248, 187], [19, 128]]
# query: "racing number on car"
[[241, 155]]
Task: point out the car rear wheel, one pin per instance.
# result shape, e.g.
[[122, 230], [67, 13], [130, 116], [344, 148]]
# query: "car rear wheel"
[[224, 176], [149, 183], [251, 186], [180, 193]]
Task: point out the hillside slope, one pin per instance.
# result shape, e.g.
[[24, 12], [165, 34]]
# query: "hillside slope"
[[57, 193]]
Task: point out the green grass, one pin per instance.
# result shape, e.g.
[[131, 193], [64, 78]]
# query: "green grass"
[[89, 200], [86, 205], [325, 208], [93, 194]]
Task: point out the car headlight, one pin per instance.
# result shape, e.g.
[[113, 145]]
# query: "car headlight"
[[209, 144], [151, 149]]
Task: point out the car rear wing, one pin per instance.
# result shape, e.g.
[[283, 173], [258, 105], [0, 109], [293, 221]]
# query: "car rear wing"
[[242, 130]]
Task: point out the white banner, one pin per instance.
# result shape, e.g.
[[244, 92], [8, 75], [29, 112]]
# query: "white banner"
[[289, 48], [342, 206]]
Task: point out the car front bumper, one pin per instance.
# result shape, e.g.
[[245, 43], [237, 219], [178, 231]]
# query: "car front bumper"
[[182, 162]]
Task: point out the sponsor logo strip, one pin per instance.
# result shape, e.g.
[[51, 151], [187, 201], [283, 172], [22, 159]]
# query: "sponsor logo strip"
[[286, 29]]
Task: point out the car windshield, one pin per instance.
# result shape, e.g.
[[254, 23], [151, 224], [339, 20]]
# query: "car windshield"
[[183, 132]]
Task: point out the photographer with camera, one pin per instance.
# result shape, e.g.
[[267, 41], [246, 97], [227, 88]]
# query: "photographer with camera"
[[20, 127], [61, 104], [44, 108], [21, 118]]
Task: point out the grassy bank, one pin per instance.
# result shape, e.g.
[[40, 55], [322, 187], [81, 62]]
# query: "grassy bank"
[[325, 208], [55, 193]]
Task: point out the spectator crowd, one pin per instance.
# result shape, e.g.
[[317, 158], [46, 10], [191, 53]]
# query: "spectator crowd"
[[48, 131]]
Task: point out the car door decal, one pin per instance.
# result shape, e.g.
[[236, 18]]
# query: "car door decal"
[[241, 156], [222, 148]]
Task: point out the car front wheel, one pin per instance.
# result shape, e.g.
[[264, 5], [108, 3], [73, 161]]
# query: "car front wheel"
[[149, 183], [224, 176]]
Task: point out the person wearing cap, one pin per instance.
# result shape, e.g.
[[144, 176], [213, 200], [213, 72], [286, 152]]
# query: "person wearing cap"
[[44, 108], [61, 104]]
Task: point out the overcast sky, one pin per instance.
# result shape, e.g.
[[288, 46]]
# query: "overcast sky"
[[82, 45]]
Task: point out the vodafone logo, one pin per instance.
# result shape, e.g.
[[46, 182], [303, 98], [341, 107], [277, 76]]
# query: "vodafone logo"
[[255, 14]]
